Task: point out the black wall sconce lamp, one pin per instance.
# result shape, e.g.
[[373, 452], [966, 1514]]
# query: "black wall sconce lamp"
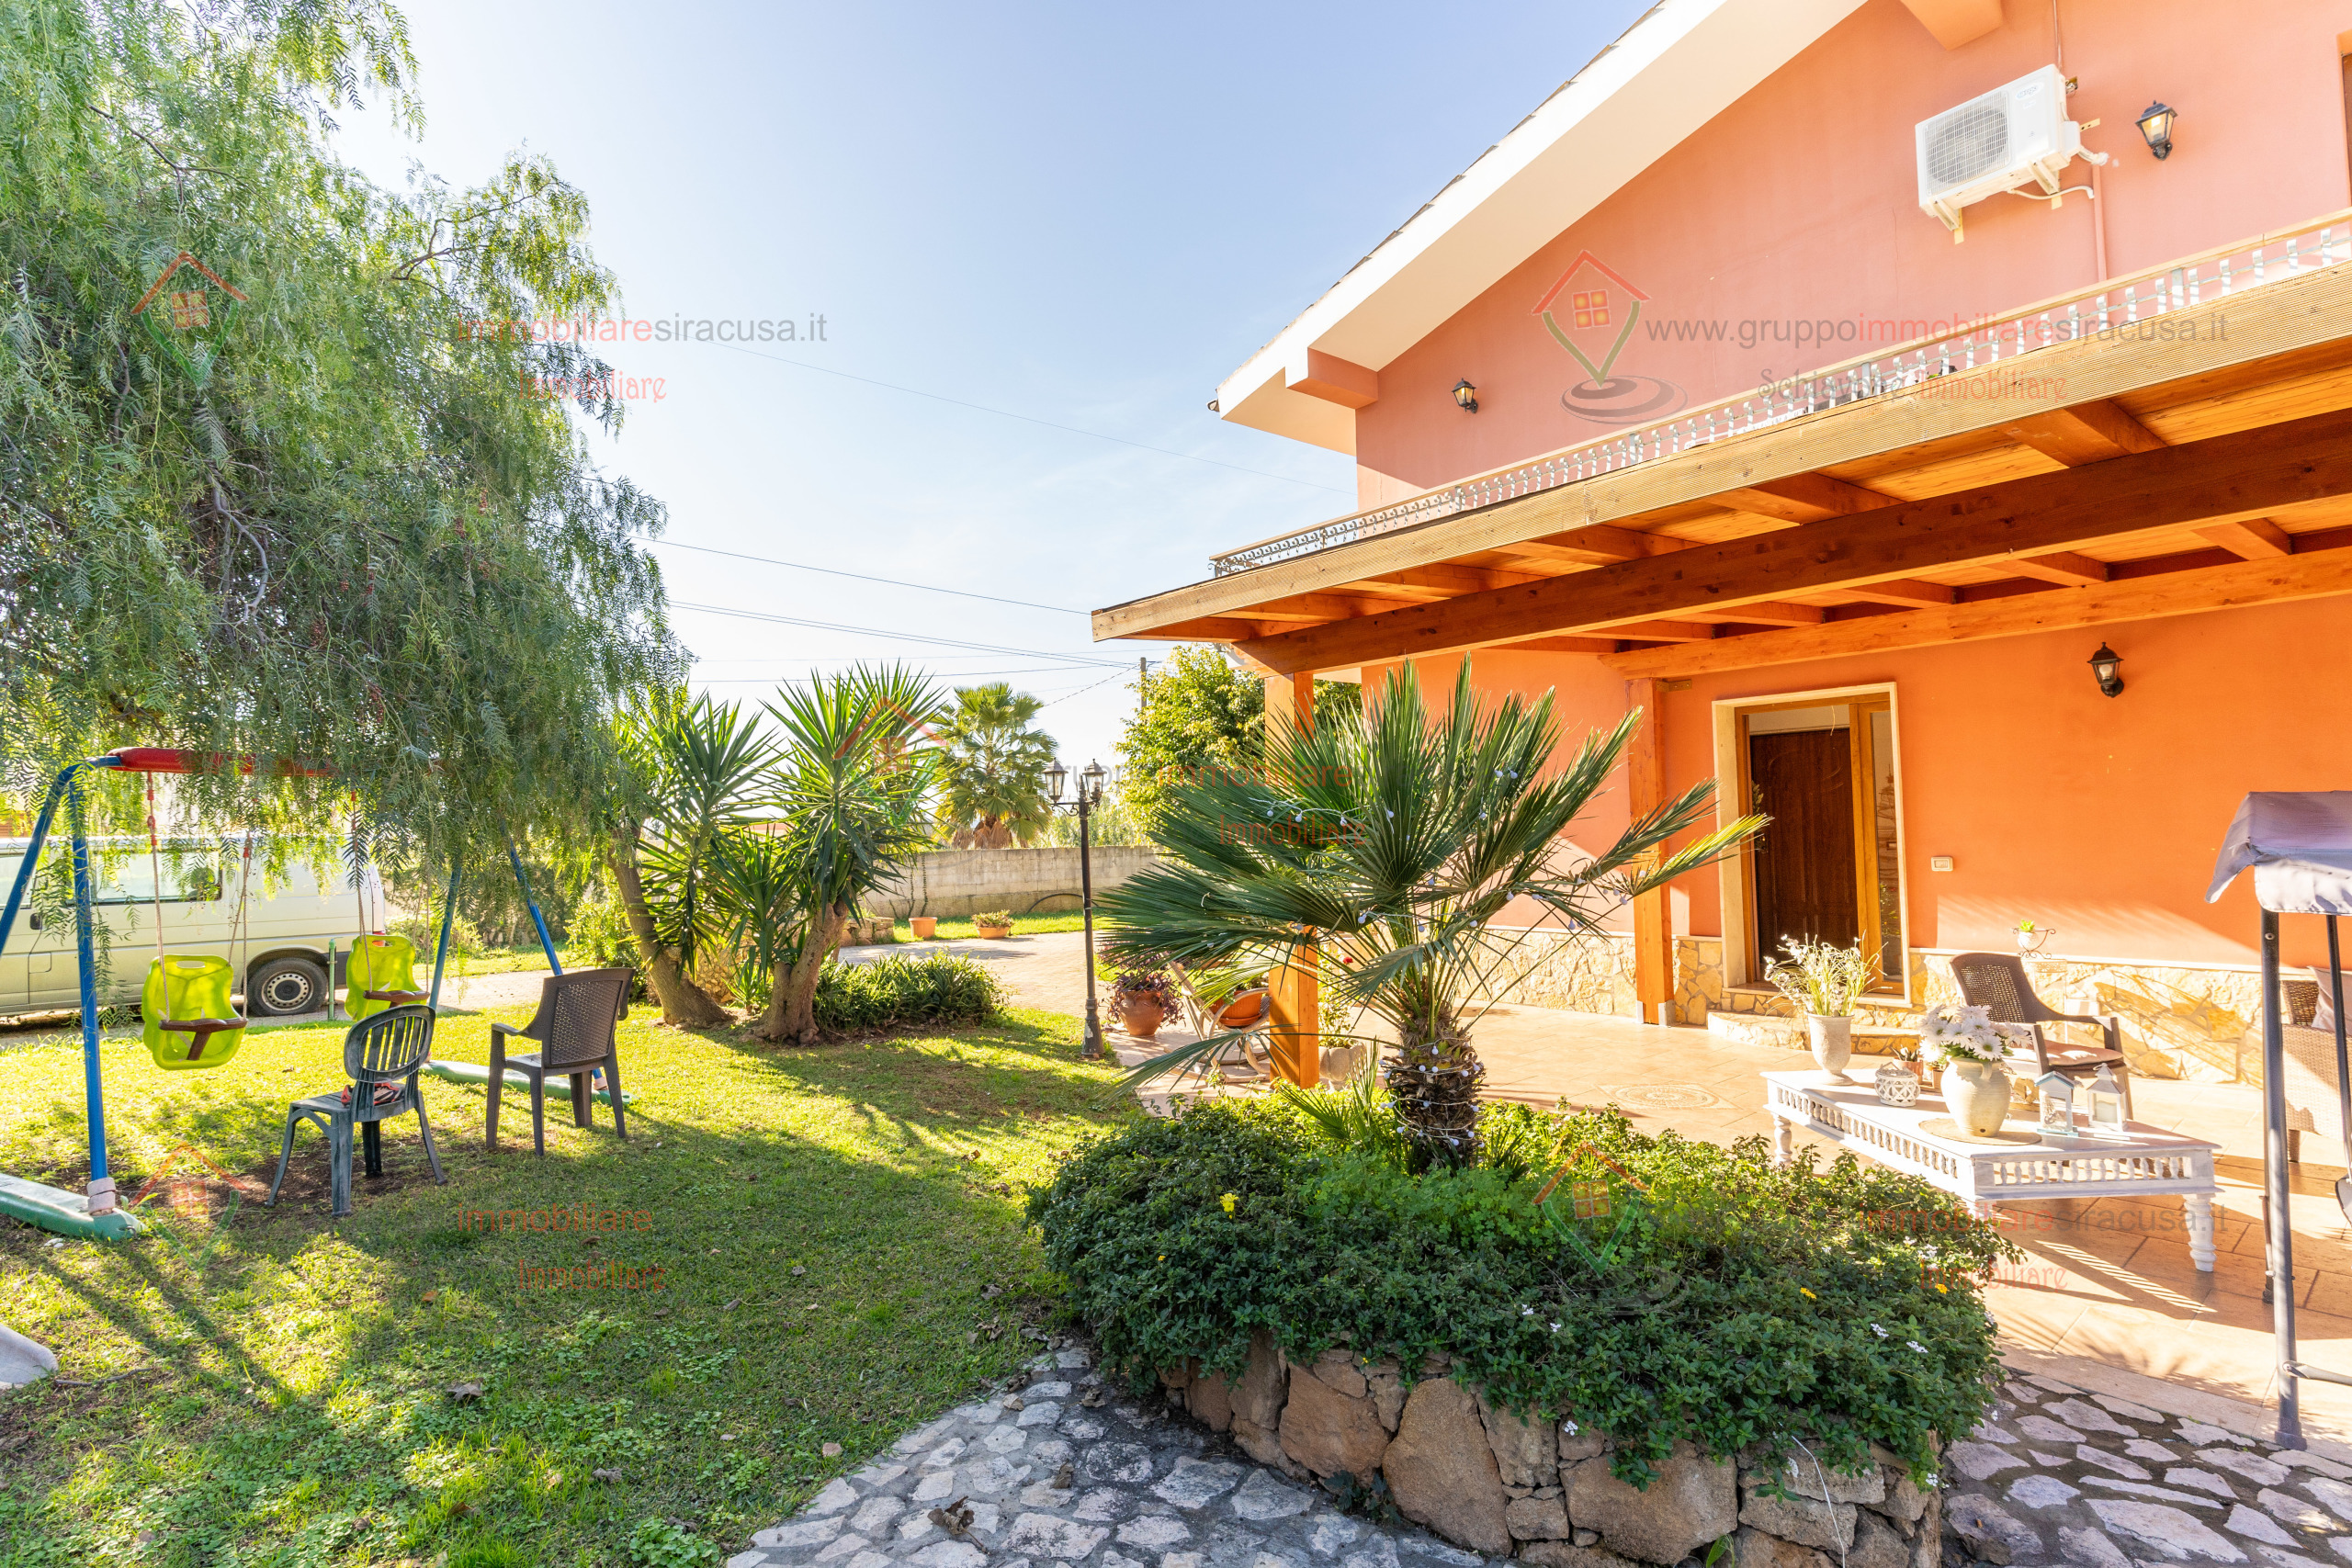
[[2104, 664], [1465, 396], [2155, 127]]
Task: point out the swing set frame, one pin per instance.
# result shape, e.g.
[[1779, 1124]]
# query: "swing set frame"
[[95, 1211]]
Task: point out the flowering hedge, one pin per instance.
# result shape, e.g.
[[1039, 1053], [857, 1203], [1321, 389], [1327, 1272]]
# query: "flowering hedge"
[[1649, 1287]]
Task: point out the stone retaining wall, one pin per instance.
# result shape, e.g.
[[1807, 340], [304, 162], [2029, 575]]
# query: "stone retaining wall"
[[952, 882], [1496, 1483]]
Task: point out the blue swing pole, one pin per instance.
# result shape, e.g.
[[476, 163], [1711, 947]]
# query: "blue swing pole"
[[32, 853], [449, 914], [546, 943], [101, 1188]]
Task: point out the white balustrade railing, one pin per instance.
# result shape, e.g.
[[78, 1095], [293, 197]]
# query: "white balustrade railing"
[[2109, 310]]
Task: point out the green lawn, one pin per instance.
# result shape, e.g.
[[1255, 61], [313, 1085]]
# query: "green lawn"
[[279, 1380]]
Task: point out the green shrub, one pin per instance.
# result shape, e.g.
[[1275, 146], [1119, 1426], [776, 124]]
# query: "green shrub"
[[1701, 1294], [600, 939], [895, 993]]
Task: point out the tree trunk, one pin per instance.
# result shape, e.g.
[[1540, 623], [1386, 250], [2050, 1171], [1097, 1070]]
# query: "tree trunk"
[[1434, 1078], [681, 1000], [792, 995]]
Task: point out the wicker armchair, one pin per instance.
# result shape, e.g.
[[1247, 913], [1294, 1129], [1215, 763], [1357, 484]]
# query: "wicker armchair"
[[2312, 1103], [574, 1028], [1997, 982]]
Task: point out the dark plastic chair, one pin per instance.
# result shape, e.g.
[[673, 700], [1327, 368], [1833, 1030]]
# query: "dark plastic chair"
[[388, 1047], [1997, 983], [574, 1028]]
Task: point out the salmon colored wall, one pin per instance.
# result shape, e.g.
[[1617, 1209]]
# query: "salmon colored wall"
[[2098, 816], [1801, 200]]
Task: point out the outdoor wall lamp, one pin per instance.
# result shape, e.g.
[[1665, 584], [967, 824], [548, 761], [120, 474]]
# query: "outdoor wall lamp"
[[2104, 664], [1465, 396], [2156, 125]]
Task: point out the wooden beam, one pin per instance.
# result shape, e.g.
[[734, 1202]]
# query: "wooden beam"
[[1663, 631], [2318, 575], [1324, 606], [2084, 433], [1597, 545], [1900, 591], [1294, 987], [1563, 645], [2249, 473], [1766, 613], [2250, 538], [1803, 498], [1644, 792], [1454, 578], [1207, 629], [2062, 567]]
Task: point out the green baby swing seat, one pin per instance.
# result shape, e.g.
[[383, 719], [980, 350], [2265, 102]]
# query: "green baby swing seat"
[[191, 1018]]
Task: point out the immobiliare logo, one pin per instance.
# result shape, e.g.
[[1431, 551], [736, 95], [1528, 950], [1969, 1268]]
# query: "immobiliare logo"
[[178, 1203], [1591, 311]]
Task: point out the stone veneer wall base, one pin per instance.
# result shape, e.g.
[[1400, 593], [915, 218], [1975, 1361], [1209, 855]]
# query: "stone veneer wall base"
[[1490, 1480]]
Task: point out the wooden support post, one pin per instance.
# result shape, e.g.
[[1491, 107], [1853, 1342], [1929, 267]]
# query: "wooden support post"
[[1645, 790], [1294, 991]]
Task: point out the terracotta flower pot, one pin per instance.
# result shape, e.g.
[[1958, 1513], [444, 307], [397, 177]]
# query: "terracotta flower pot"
[[1978, 1094], [998, 932], [1833, 1045], [1141, 1017], [925, 927]]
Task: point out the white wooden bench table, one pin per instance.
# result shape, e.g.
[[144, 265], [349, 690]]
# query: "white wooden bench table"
[[2150, 1163]]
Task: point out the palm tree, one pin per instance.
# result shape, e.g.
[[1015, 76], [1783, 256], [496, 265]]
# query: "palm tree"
[[994, 765], [689, 767], [851, 792], [1389, 840]]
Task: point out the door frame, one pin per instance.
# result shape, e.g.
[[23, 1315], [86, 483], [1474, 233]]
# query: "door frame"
[[1734, 875]]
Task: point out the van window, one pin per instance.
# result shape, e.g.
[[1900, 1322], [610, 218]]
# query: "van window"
[[191, 874]]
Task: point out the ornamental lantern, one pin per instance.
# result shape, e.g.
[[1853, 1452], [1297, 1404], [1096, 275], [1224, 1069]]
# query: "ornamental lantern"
[[2105, 1099], [2057, 1095]]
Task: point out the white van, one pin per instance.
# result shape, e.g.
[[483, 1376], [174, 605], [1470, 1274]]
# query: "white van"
[[291, 919]]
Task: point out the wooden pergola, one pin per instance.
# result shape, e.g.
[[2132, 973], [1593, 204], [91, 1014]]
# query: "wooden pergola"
[[2113, 475]]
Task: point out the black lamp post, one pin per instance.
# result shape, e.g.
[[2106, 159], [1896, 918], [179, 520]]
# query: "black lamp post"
[[1089, 795]]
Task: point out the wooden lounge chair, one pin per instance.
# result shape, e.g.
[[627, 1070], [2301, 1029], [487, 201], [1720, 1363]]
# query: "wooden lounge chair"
[[1997, 983]]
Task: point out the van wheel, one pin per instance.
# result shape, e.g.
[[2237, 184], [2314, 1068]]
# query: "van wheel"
[[283, 986]]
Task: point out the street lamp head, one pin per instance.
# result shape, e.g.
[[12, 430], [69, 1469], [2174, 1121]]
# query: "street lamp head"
[[1056, 776], [1090, 782]]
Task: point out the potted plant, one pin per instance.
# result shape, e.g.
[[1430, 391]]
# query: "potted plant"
[[2031, 936], [1142, 999], [925, 927], [1824, 981], [993, 923], [1976, 1087]]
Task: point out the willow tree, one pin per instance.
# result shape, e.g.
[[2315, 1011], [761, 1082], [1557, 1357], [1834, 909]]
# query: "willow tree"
[[290, 499]]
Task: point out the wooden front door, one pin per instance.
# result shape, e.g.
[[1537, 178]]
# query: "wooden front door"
[[1804, 862]]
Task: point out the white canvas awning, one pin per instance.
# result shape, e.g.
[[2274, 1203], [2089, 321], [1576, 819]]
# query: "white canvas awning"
[[2300, 845]]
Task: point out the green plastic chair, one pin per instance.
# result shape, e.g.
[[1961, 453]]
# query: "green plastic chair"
[[191, 1018], [380, 975]]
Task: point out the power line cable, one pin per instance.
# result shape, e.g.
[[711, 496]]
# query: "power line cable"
[[1031, 419], [891, 581], [1081, 691], [1075, 660]]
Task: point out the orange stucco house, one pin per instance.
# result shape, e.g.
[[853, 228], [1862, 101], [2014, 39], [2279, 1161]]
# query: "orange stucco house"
[[1831, 380]]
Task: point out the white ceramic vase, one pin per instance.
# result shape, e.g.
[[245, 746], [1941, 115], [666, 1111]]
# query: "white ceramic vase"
[[1833, 1045], [1977, 1094]]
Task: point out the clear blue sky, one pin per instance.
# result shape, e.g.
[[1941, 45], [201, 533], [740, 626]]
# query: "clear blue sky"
[[1088, 215]]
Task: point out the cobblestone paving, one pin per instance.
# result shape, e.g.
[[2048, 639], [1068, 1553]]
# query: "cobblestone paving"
[[1071, 1471], [2086, 1479]]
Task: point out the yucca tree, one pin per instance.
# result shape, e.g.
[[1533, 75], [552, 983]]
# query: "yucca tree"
[[1390, 840], [690, 767], [850, 787]]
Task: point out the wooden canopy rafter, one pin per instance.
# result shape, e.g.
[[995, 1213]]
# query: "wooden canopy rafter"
[[2202, 470]]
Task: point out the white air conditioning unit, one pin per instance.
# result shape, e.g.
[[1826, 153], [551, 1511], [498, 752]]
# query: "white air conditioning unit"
[[2014, 136]]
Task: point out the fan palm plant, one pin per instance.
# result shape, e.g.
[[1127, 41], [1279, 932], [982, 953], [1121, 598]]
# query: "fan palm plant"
[[993, 766], [1389, 840]]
